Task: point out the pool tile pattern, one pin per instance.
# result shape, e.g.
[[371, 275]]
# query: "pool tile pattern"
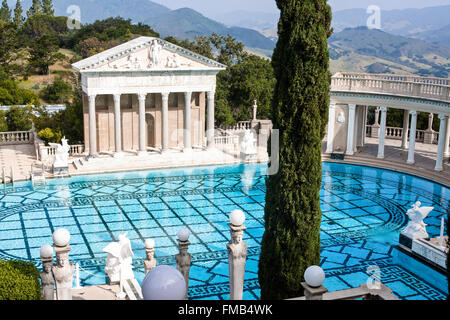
[[363, 211]]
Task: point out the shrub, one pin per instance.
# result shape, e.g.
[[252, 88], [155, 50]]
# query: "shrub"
[[19, 280], [57, 92], [48, 135], [19, 118]]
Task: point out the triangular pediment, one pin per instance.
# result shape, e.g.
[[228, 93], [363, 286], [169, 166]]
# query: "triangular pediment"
[[146, 54]]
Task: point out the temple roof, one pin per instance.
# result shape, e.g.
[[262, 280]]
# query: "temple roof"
[[146, 54]]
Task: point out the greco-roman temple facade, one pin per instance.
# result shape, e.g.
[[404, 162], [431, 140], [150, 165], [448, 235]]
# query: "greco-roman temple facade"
[[147, 94]]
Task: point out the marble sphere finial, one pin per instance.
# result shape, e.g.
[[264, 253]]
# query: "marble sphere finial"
[[61, 237], [314, 276], [46, 251], [164, 283], [183, 235], [149, 244], [237, 218]]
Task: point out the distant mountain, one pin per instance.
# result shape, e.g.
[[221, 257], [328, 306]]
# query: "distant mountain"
[[91, 10], [363, 50], [249, 19], [441, 35], [400, 22], [187, 23], [182, 23]]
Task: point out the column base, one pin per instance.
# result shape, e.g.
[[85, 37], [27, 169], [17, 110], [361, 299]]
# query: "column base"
[[439, 169], [187, 150], [118, 155], [349, 153], [380, 157], [410, 162], [141, 153]]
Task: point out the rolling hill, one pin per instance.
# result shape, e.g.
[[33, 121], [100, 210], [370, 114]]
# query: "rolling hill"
[[364, 50]]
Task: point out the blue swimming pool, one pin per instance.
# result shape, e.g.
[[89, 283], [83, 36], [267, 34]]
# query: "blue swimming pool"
[[363, 213]]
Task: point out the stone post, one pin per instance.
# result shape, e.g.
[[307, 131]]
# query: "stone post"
[[210, 126], [117, 126], [382, 133], [331, 122], [255, 109], [183, 258], [412, 137], [150, 261], [429, 133], [440, 151], [165, 121], [47, 279], [405, 130], [63, 270], [312, 293], [237, 255], [376, 127], [92, 126], [351, 129], [142, 133], [313, 285], [187, 122]]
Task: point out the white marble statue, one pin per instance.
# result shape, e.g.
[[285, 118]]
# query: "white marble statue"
[[154, 53], [119, 260], [172, 61], [341, 118], [416, 228], [248, 143], [61, 154]]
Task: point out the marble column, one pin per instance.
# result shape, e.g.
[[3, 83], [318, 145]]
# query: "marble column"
[[117, 125], [187, 122], [165, 121], [142, 135], [210, 126], [331, 122], [351, 129], [382, 133], [440, 153], [447, 140], [405, 130], [92, 126], [412, 137]]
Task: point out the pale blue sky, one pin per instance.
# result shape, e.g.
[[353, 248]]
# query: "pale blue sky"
[[214, 7]]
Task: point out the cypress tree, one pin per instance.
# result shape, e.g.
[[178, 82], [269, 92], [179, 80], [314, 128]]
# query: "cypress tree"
[[18, 14], [47, 7], [291, 241], [5, 12], [36, 7]]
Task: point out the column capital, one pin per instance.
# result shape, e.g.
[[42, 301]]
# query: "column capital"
[[383, 109], [165, 95], [92, 96], [443, 117], [413, 112], [116, 97], [332, 106], [142, 96], [351, 106], [211, 94]]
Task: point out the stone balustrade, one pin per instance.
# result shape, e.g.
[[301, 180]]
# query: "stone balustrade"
[[411, 86], [395, 133], [16, 137], [226, 140]]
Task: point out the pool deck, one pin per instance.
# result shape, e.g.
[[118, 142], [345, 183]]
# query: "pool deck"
[[100, 292]]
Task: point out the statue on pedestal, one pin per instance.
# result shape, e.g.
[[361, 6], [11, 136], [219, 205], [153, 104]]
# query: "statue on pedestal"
[[150, 261], [63, 273], [416, 228], [237, 256], [61, 162], [119, 260], [248, 148], [183, 260], [47, 279]]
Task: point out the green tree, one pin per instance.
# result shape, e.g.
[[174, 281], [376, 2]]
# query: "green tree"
[[44, 53], [291, 241], [11, 94], [5, 12], [36, 7], [230, 51], [19, 118], [8, 46], [57, 92], [72, 117], [3, 124], [18, 14], [47, 7]]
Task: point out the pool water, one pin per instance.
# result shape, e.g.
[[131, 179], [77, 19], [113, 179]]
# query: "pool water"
[[363, 212]]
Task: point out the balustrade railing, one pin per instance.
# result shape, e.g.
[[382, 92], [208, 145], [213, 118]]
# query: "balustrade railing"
[[397, 134], [16, 137], [240, 126], [433, 88], [226, 140]]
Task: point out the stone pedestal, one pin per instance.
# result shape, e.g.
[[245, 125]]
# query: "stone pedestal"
[[428, 137], [313, 293], [60, 170], [375, 131]]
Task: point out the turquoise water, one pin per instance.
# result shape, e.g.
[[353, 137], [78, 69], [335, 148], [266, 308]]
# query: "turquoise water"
[[363, 213]]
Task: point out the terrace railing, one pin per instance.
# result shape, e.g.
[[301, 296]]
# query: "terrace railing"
[[411, 86], [16, 137], [397, 134]]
